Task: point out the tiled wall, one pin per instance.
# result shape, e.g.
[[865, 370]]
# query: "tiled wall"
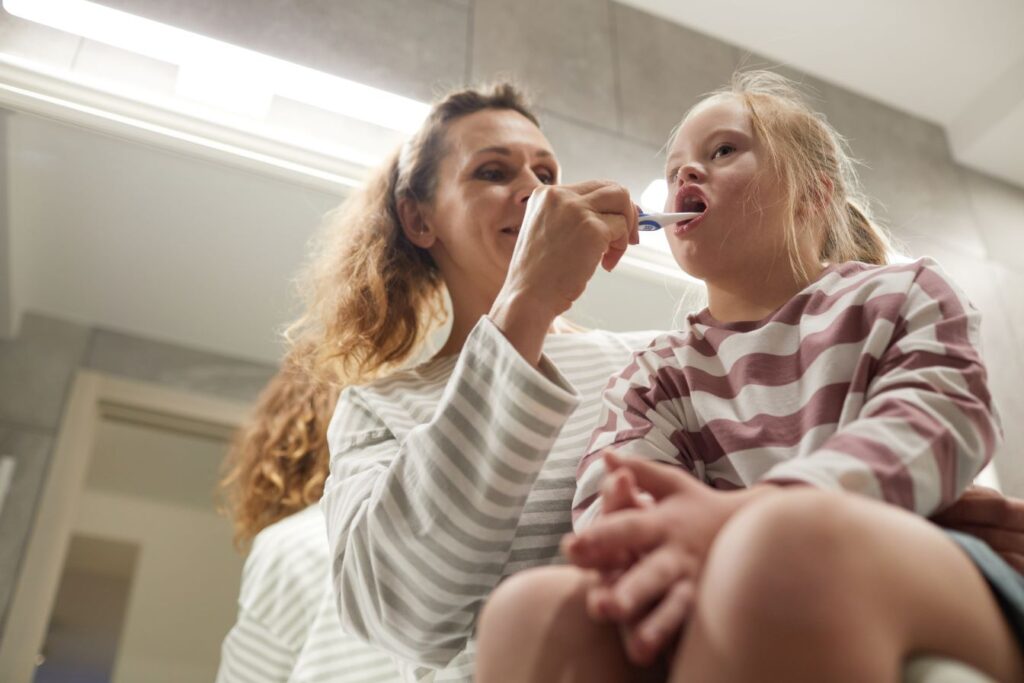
[[611, 81]]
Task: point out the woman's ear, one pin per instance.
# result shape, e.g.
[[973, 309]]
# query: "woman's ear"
[[414, 225]]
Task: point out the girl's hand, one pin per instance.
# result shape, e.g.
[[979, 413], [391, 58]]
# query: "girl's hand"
[[989, 515], [651, 596]]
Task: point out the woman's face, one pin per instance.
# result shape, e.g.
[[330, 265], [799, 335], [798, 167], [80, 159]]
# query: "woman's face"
[[712, 167], [495, 159]]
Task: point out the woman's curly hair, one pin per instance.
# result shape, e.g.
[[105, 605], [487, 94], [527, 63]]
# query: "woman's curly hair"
[[278, 460]]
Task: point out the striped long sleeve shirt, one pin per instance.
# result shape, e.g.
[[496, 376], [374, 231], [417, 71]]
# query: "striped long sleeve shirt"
[[450, 476], [869, 380], [288, 629]]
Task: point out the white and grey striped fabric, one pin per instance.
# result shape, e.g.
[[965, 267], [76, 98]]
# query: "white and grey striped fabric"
[[288, 627], [450, 476]]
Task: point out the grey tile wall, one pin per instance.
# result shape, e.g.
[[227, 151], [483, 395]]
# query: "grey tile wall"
[[999, 214], [36, 369], [175, 366], [586, 152], [414, 48], [662, 69], [31, 450], [562, 50]]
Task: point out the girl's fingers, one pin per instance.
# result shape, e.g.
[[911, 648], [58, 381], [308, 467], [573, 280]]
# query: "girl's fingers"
[[616, 492], [620, 492], [984, 506], [646, 583], [613, 541], [649, 636], [660, 479]]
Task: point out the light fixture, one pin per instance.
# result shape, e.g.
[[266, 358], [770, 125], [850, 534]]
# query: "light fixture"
[[262, 76], [653, 198]]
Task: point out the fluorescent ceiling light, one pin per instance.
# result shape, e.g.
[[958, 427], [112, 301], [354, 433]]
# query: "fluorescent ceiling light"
[[208, 64]]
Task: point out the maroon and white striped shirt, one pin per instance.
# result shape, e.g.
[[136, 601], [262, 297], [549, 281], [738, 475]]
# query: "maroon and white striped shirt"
[[869, 381]]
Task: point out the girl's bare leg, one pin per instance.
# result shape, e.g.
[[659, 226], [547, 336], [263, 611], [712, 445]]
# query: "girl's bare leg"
[[535, 629], [814, 586]]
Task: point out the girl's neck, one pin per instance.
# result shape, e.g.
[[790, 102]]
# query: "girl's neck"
[[746, 299]]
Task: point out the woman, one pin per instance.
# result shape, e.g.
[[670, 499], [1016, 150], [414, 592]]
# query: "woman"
[[287, 627], [452, 475]]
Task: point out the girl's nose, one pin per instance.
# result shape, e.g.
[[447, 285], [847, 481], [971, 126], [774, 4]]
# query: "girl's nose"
[[691, 173]]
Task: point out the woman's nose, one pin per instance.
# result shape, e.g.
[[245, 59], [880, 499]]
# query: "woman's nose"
[[527, 185]]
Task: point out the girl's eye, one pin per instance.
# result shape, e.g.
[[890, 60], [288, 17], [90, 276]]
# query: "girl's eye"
[[722, 150], [672, 175], [545, 176]]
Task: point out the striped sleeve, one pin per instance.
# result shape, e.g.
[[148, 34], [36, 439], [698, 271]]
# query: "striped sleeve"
[[421, 530], [927, 425], [640, 415], [254, 653]]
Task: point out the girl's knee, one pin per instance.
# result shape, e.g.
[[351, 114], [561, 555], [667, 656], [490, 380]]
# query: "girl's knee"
[[797, 552], [525, 605], [536, 622]]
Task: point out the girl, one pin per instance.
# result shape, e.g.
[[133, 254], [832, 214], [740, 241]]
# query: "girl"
[[815, 371]]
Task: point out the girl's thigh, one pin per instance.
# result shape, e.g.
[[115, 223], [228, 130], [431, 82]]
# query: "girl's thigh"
[[813, 581]]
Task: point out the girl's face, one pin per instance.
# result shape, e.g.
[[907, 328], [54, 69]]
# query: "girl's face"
[[495, 159], [712, 168]]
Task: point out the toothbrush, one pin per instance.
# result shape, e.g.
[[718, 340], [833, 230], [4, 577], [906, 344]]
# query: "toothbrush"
[[657, 221]]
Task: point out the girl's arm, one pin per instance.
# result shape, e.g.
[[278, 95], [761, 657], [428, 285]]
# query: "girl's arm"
[[635, 420], [421, 531], [927, 425]]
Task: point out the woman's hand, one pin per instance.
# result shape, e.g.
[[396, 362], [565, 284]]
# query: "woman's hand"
[[568, 230], [654, 553], [989, 515]]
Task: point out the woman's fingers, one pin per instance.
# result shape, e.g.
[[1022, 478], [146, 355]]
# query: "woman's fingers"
[[646, 638], [645, 583]]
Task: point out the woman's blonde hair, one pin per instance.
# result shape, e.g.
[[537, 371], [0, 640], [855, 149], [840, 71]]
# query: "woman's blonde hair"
[[815, 171], [371, 295], [278, 461]]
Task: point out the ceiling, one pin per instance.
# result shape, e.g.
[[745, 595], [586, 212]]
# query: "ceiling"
[[957, 64]]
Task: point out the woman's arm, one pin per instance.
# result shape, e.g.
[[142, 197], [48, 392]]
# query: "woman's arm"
[[421, 530], [927, 425]]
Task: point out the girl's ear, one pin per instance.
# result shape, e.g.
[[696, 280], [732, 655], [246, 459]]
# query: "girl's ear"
[[414, 225]]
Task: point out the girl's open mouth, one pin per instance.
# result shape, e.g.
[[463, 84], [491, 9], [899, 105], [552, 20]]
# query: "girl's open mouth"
[[691, 201]]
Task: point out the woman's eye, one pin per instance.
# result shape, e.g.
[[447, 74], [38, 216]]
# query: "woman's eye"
[[490, 173], [545, 176], [722, 150], [672, 175]]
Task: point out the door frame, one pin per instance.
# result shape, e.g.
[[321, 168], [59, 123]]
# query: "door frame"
[[94, 397]]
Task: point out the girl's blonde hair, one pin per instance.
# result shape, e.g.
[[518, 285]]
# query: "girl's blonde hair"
[[815, 170], [371, 295], [278, 461]]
